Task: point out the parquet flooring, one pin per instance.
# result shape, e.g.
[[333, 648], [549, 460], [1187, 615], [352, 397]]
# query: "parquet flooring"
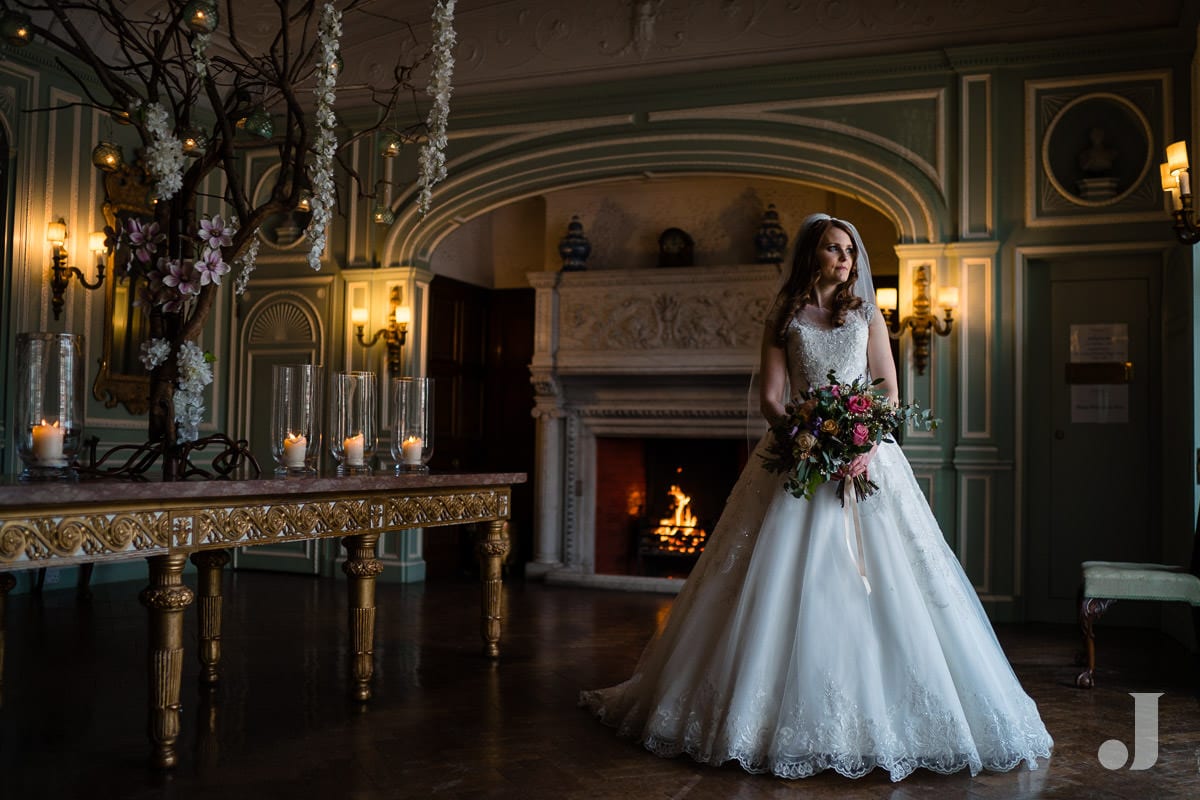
[[444, 723]]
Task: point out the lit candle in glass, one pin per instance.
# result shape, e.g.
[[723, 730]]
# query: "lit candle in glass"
[[295, 448], [48, 444], [411, 450], [352, 449]]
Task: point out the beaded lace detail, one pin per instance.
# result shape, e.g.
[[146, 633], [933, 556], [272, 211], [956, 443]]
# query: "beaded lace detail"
[[814, 348]]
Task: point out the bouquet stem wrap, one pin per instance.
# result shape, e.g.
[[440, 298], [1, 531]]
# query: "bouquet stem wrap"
[[852, 525]]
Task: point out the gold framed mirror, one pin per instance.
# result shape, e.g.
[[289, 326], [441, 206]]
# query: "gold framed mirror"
[[122, 378]]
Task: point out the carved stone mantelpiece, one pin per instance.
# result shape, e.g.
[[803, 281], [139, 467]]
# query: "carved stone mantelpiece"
[[668, 321], [633, 353]]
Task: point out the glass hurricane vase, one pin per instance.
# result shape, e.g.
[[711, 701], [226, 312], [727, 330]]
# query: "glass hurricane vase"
[[412, 424], [353, 421], [295, 419], [49, 404]]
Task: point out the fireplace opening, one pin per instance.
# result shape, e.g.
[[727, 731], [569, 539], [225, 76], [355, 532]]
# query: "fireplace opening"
[[658, 500]]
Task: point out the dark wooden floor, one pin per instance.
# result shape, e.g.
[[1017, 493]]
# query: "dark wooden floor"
[[446, 723]]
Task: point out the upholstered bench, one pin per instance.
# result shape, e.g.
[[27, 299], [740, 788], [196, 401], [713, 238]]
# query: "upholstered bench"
[[1106, 582]]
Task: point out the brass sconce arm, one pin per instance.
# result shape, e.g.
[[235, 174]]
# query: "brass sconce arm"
[[61, 273], [922, 322], [1177, 184], [394, 334]]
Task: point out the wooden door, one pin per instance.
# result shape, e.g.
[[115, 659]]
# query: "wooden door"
[[1093, 457]]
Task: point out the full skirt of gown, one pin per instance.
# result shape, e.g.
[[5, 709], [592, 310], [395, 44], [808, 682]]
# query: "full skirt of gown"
[[776, 656]]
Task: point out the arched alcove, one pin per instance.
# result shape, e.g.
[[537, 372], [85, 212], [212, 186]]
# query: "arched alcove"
[[904, 187], [623, 220]]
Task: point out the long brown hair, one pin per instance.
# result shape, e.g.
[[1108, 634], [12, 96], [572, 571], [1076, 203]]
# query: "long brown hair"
[[801, 287]]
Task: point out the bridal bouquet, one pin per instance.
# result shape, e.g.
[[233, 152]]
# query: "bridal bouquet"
[[825, 428]]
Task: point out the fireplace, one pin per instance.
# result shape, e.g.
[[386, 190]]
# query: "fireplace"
[[658, 500], [639, 374]]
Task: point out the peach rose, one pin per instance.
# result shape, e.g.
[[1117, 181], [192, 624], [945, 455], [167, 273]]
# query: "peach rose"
[[829, 426]]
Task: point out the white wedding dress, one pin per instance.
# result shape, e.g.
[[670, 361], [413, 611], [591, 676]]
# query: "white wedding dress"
[[775, 655]]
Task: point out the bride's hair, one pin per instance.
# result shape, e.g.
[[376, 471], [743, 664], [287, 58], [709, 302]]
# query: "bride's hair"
[[801, 287]]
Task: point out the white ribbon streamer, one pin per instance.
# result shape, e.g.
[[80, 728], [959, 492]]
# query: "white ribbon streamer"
[[851, 519]]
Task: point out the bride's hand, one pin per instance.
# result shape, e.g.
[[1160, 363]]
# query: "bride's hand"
[[858, 466]]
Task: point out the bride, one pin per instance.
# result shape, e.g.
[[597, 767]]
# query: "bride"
[[777, 654]]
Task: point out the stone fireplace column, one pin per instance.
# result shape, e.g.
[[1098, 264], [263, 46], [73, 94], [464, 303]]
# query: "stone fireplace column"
[[548, 512]]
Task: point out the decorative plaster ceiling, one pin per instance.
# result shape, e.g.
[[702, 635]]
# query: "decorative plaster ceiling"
[[529, 44]]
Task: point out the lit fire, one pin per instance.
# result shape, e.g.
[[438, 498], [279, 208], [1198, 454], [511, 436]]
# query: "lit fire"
[[679, 533]]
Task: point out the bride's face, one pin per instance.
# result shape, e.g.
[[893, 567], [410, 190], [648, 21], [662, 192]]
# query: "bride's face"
[[835, 257]]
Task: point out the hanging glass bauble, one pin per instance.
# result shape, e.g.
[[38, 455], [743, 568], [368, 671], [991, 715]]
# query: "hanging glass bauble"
[[107, 157], [15, 28], [382, 215], [201, 16], [259, 123]]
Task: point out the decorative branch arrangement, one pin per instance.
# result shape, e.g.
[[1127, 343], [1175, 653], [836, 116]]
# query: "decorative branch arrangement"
[[198, 91]]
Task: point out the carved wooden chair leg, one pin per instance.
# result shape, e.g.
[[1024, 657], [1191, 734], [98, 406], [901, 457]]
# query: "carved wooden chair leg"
[[1090, 609]]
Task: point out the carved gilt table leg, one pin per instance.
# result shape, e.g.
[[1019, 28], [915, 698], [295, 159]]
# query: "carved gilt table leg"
[[7, 582], [493, 547], [165, 599], [209, 564], [362, 568]]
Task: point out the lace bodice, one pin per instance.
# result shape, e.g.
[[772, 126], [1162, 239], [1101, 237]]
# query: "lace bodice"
[[814, 348]]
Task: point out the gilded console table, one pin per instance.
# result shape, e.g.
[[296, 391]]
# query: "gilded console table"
[[50, 525]]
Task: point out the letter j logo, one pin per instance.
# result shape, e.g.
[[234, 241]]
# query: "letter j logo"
[[1113, 754]]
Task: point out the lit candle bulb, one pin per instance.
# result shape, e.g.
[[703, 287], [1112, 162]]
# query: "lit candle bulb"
[[352, 450], [411, 450], [48, 444], [295, 448]]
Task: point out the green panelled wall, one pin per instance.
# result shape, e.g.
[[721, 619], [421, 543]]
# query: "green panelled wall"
[[947, 145]]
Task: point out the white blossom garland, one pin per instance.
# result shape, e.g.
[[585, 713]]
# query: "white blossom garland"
[[200, 43], [195, 373], [329, 33], [432, 158], [247, 264], [164, 155], [155, 352]]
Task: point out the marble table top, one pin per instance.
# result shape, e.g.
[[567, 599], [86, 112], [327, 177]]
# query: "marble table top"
[[14, 494]]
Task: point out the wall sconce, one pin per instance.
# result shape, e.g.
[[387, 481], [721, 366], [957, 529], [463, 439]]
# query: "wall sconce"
[[921, 322], [1177, 183], [60, 279], [394, 335]]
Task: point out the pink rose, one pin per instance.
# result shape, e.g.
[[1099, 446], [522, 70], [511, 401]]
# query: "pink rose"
[[858, 404], [859, 433]]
